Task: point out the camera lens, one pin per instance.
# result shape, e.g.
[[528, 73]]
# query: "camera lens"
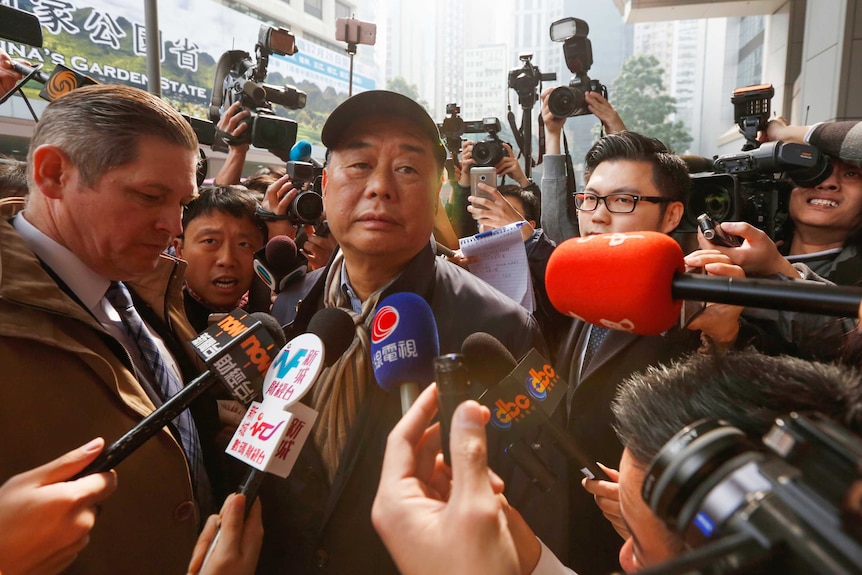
[[681, 481], [565, 101], [488, 152], [306, 207], [712, 195]]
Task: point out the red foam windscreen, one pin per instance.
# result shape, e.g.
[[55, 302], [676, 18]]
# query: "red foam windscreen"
[[620, 281]]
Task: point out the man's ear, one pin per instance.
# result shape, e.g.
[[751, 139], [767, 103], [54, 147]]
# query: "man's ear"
[[52, 170], [178, 247], [672, 216], [323, 182]]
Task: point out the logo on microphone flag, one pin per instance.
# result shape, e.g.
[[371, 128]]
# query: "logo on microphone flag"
[[385, 323]]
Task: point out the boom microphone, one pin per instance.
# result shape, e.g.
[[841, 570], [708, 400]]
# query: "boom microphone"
[[581, 283], [404, 344], [237, 351], [523, 396]]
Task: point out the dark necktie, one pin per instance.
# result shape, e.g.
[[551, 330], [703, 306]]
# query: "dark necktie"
[[167, 385], [597, 336]]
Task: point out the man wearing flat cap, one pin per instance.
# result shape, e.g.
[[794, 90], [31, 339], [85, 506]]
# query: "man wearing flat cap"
[[380, 193]]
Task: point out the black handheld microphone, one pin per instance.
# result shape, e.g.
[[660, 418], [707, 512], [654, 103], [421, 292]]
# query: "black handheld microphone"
[[237, 351], [277, 263], [525, 397]]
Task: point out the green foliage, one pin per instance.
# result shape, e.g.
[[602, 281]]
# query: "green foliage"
[[400, 85], [640, 98]]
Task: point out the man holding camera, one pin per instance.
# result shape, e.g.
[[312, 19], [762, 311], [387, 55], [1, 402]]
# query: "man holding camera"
[[508, 165], [649, 410]]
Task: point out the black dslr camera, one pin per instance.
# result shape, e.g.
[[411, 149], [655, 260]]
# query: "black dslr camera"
[[578, 51], [453, 127], [526, 79], [488, 152], [240, 79], [786, 509], [754, 185]]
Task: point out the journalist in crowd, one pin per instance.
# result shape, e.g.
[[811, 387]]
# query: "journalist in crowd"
[[93, 336]]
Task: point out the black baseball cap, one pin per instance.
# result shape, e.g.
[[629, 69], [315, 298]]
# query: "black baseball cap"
[[380, 102]]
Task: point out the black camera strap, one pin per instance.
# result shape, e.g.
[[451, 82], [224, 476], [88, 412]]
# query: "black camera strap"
[[541, 135]]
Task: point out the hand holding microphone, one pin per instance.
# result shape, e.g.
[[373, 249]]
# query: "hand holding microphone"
[[433, 524], [237, 352], [273, 431], [523, 396], [647, 299]]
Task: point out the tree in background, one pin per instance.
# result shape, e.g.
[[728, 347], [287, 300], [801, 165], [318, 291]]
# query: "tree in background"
[[640, 98], [400, 85]]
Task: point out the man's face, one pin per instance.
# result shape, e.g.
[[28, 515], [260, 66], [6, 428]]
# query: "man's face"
[[627, 177], [650, 542], [380, 191], [120, 225], [219, 249], [836, 203]]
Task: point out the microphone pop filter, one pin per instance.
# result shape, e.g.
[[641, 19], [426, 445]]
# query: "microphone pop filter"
[[404, 341], [620, 281], [488, 360], [280, 254], [335, 328]]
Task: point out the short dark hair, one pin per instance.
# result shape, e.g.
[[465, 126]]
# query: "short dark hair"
[[532, 204], [236, 201], [746, 388], [669, 171]]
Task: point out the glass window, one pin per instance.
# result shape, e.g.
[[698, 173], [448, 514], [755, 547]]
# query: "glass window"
[[314, 7]]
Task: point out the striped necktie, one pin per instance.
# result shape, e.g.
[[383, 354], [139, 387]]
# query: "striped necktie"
[[167, 385]]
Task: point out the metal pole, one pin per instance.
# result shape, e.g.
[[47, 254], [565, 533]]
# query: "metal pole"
[[151, 23]]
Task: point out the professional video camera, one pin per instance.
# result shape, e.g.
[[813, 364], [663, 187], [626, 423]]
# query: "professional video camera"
[[578, 51], [488, 152], [754, 185], [238, 78], [786, 510]]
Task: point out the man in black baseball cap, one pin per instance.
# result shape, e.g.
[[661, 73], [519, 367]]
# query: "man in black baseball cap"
[[376, 102], [380, 193]]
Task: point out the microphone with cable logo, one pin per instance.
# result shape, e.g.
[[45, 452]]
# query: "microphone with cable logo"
[[634, 282], [522, 395], [404, 343], [237, 351], [277, 264]]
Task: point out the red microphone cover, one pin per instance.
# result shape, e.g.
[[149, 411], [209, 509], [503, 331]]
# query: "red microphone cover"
[[621, 281]]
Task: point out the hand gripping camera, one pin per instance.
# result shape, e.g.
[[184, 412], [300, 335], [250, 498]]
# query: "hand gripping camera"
[[754, 185], [578, 51], [786, 509], [240, 79]]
